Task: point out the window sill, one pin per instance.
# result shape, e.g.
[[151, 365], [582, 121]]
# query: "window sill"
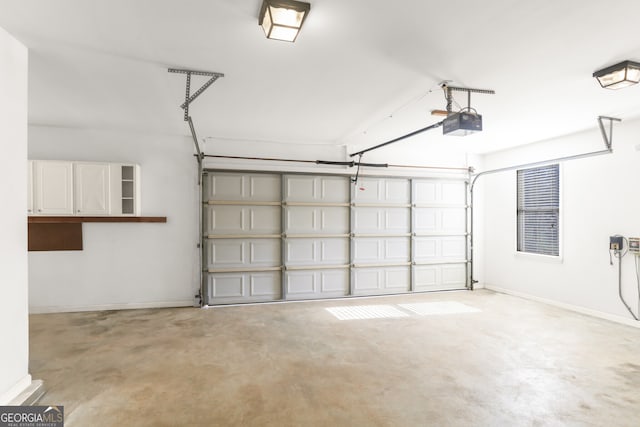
[[538, 257]]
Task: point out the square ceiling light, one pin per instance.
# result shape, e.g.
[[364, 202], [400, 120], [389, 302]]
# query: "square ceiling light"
[[282, 19], [624, 74]]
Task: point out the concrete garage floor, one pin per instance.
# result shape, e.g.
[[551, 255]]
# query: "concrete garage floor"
[[514, 363]]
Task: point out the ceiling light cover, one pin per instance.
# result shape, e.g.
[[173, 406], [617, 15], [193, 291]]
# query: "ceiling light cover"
[[624, 74], [282, 19]]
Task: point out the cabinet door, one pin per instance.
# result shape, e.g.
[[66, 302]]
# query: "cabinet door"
[[30, 189], [92, 189], [53, 188]]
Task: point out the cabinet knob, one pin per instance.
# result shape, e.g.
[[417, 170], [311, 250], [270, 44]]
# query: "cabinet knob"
[[39, 210], [78, 210], [29, 210]]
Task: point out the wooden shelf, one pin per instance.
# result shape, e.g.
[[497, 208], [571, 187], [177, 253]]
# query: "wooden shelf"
[[80, 219], [64, 233]]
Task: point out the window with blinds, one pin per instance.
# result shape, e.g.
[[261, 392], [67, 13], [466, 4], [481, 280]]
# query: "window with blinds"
[[539, 210]]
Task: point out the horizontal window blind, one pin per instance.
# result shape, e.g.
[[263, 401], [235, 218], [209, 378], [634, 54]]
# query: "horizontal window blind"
[[539, 210]]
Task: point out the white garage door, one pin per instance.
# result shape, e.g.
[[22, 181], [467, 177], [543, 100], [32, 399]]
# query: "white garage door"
[[440, 240], [297, 236], [242, 223], [382, 236], [316, 236]]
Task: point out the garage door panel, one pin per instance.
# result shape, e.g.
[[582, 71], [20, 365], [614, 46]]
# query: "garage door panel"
[[225, 187], [376, 281], [244, 187], [228, 288], [453, 275], [367, 220], [426, 248], [310, 284], [426, 192], [335, 189], [301, 252], [397, 279], [397, 220], [334, 282], [230, 253], [300, 188], [369, 190], [397, 249], [239, 253], [309, 220], [383, 190], [368, 250], [264, 219], [397, 191], [453, 247], [382, 220], [427, 277], [426, 220], [334, 251], [440, 248], [377, 250], [439, 192], [440, 277], [224, 219], [265, 188], [334, 220], [310, 189], [453, 220], [301, 219], [301, 283], [266, 284], [454, 192], [307, 251], [439, 220]]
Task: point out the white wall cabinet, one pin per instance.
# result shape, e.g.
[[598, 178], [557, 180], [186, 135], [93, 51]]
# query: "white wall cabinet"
[[53, 188], [83, 188], [92, 189], [30, 188]]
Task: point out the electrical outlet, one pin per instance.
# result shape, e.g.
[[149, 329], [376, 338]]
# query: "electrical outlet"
[[615, 243]]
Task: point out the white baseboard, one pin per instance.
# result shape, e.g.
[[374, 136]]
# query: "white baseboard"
[[103, 307], [577, 309], [31, 395], [10, 396]]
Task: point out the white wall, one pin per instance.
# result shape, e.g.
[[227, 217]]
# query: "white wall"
[[124, 265], [408, 152], [14, 321], [599, 198]]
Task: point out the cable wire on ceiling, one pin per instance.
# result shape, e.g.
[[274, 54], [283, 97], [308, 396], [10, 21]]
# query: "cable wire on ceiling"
[[413, 100]]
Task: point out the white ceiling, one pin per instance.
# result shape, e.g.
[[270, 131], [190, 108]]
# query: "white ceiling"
[[360, 73]]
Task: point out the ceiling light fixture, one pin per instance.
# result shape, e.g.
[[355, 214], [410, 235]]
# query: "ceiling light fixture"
[[282, 19], [623, 74]]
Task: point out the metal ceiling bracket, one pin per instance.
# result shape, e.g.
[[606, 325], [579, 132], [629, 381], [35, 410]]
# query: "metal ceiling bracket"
[[189, 98], [608, 139], [449, 96]]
